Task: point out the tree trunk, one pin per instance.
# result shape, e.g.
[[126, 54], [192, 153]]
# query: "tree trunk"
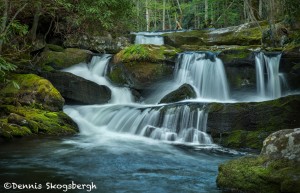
[[164, 15], [206, 13], [147, 16], [3, 24], [260, 9], [35, 21]]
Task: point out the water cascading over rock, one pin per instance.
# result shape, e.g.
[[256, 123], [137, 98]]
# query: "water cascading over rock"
[[205, 71], [177, 123], [149, 38], [269, 81]]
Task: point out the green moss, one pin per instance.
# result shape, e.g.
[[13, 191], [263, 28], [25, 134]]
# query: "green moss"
[[215, 107], [34, 91], [55, 48], [37, 121], [8, 131], [65, 58], [149, 53], [259, 174], [244, 139], [116, 75]]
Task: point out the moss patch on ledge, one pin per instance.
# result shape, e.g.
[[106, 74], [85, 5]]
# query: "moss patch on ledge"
[[148, 53], [259, 174], [25, 121]]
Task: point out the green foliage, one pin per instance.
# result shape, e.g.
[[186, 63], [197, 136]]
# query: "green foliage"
[[5, 67], [135, 51]]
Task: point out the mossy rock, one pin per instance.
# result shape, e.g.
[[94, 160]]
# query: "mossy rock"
[[244, 35], [275, 170], [185, 91], [147, 53], [33, 91], [246, 125], [63, 58], [25, 121], [139, 74], [55, 48], [259, 174], [240, 139]]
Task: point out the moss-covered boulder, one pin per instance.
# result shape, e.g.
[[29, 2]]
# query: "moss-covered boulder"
[[283, 144], [185, 91], [139, 66], [33, 91], [56, 58], [246, 125], [275, 170], [32, 106], [20, 121]]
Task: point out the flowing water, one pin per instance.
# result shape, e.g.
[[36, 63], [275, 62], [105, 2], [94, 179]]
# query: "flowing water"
[[149, 38], [270, 82], [128, 147]]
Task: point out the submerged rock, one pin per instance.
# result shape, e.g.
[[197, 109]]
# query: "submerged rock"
[[275, 170], [185, 91], [77, 89]]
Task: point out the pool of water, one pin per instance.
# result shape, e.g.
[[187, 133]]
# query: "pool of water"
[[117, 163]]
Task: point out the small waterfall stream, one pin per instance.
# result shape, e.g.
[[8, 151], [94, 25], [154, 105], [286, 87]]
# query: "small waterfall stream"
[[205, 71], [269, 86], [149, 38]]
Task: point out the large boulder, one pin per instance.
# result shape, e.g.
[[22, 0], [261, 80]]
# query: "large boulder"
[[283, 144], [32, 90], [246, 125], [275, 170], [54, 58], [140, 66], [31, 106], [76, 89], [185, 91]]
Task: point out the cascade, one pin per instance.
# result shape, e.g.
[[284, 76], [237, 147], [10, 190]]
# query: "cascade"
[[149, 38], [95, 71], [271, 85], [205, 71], [179, 123]]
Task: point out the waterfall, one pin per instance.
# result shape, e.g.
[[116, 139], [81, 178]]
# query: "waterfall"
[[205, 71], [179, 123], [269, 86], [95, 71], [149, 38]]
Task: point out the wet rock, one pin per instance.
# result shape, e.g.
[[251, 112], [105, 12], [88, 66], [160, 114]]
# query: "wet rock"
[[140, 66], [185, 91], [78, 90], [246, 125]]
